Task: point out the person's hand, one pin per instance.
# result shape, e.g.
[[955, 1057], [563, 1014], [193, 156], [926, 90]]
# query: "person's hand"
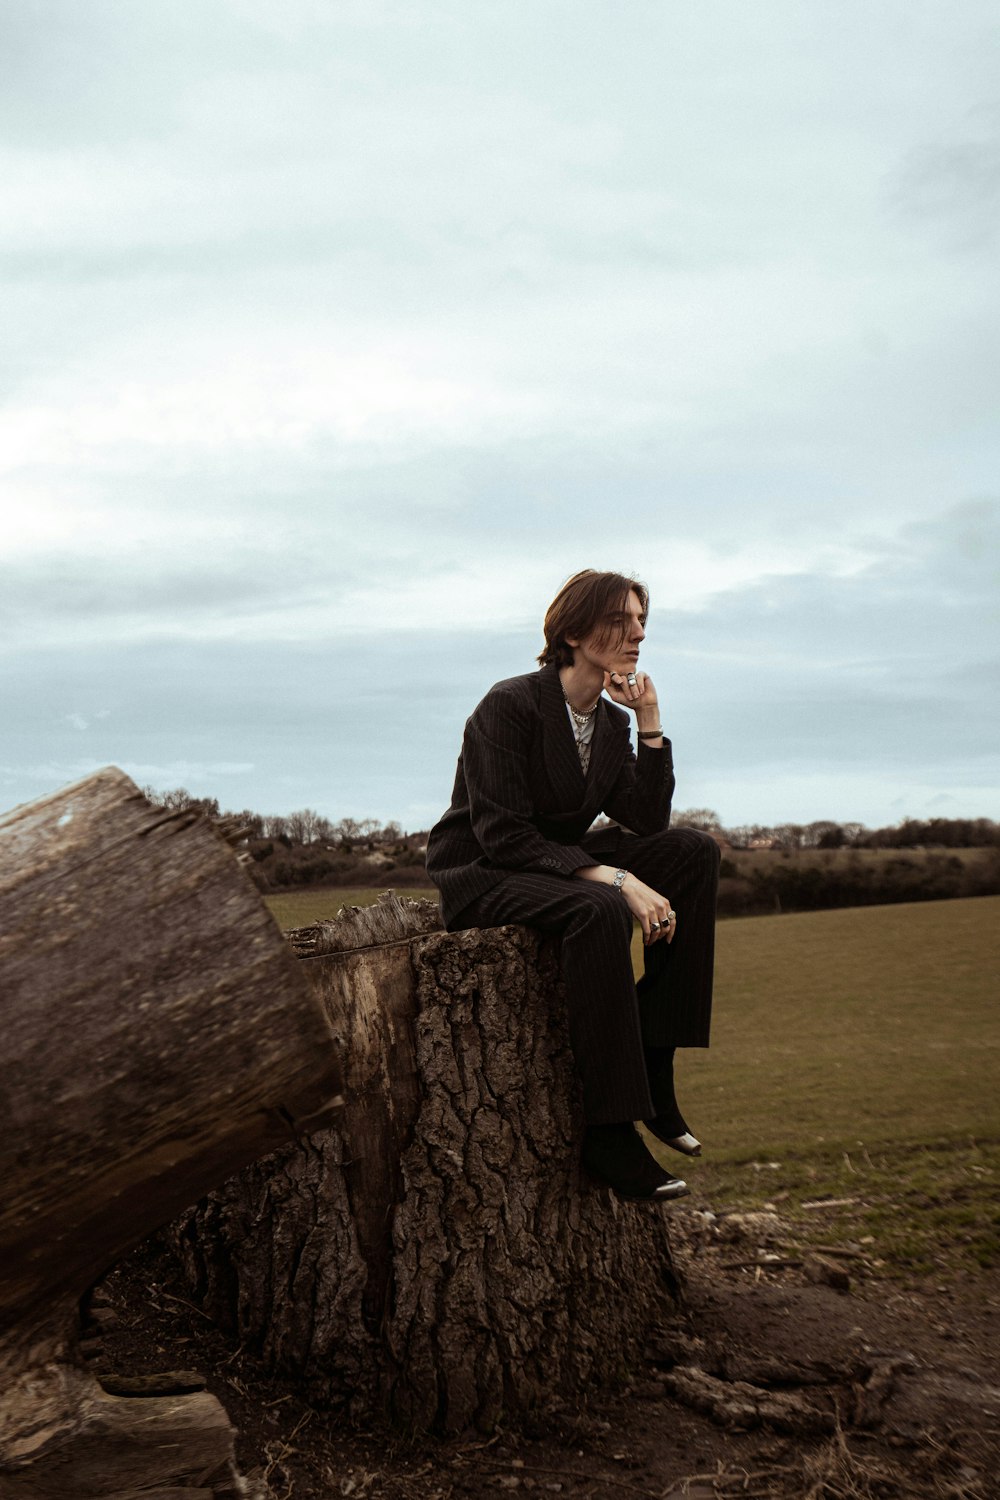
[[638, 695], [653, 911]]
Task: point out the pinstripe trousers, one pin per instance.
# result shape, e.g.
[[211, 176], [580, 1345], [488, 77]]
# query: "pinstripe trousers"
[[617, 1027]]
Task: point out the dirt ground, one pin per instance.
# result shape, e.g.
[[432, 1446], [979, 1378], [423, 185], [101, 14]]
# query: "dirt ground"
[[785, 1375]]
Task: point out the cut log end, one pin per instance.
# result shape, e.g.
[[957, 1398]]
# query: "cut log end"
[[63, 1436], [389, 920], [157, 1036]]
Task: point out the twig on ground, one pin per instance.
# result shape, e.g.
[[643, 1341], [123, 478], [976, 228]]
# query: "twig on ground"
[[185, 1303], [778, 1263], [830, 1203], [532, 1469], [841, 1252]]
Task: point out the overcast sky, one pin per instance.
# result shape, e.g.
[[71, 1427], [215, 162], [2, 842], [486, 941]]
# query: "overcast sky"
[[336, 334]]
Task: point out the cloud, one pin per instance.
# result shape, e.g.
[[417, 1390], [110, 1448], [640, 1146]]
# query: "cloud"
[[209, 778], [340, 336], [869, 678], [952, 188], [82, 722], [788, 697]]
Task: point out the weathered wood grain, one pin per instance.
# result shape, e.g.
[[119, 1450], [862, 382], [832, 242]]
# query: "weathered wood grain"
[[156, 1035], [436, 1255]]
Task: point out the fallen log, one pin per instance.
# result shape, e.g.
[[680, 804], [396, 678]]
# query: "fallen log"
[[157, 1035], [435, 1255], [738, 1404]]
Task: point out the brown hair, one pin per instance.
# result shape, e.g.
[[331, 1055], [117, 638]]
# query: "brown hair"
[[586, 602]]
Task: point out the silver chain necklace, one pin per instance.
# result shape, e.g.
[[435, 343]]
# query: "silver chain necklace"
[[582, 719]]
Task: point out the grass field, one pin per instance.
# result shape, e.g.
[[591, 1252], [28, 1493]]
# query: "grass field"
[[299, 908], [855, 1054], [874, 1024], [855, 1058]]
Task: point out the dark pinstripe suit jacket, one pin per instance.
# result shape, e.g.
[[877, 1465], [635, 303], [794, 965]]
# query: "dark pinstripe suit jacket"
[[520, 800]]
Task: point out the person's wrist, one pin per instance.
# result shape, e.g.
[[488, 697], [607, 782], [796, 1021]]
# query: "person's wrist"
[[603, 873], [648, 717]]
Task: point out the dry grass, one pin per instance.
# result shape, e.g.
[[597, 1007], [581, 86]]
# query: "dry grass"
[[836, 1470]]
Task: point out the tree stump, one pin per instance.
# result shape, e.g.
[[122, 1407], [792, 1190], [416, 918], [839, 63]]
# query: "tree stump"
[[157, 1035], [436, 1256]]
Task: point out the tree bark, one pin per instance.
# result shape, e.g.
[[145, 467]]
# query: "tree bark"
[[157, 1036], [436, 1256]]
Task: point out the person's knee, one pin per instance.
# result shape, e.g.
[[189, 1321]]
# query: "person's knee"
[[688, 853], [693, 843], [604, 908], [708, 851], [705, 858]]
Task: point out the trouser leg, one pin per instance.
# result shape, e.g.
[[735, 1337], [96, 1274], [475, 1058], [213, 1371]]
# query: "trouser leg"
[[595, 926], [675, 992], [666, 1110]]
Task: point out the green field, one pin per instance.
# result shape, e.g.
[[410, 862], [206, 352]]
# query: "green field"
[[855, 1057], [299, 908], [855, 1053], [871, 1024]]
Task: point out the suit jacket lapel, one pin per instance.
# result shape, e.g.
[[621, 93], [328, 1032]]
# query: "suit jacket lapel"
[[562, 760], [605, 754]]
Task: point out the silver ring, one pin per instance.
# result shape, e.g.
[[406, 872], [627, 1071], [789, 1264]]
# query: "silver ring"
[[669, 918], [654, 926], [630, 679]]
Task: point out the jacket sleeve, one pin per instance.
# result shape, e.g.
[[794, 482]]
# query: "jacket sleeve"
[[495, 760], [641, 796]]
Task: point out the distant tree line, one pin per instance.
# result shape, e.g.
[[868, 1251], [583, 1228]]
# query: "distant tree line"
[[816, 866], [302, 827], [765, 867], [752, 882], [305, 848], [911, 833]]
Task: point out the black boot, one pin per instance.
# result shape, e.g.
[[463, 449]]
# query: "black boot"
[[668, 1124], [615, 1155]]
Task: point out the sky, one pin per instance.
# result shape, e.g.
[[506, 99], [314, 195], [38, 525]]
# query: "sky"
[[338, 333]]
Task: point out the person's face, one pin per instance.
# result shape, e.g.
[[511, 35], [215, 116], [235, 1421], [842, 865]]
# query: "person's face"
[[613, 644]]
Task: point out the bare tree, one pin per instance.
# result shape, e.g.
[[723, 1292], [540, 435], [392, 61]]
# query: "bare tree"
[[306, 826], [346, 832], [697, 817], [180, 799], [823, 834]]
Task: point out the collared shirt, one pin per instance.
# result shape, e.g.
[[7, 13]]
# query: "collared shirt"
[[583, 737]]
